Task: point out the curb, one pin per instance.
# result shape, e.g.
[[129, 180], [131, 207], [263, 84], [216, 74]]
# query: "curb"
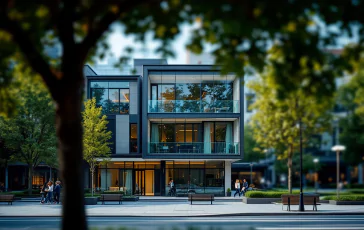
[[292, 213]]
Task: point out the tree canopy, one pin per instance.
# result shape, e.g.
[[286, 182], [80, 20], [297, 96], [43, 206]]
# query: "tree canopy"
[[279, 124], [350, 96], [30, 136]]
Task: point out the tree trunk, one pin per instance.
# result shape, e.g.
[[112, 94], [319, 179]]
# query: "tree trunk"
[[92, 182], [69, 132], [289, 179], [30, 179]]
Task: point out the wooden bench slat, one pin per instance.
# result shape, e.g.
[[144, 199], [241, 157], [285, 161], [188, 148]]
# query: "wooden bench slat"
[[294, 199], [201, 197], [111, 197], [7, 198]]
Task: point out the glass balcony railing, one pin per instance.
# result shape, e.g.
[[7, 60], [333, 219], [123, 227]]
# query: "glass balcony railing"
[[193, 106], [229, 148]]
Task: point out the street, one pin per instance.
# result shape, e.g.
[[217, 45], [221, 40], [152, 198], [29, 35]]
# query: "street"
[[311, 222]]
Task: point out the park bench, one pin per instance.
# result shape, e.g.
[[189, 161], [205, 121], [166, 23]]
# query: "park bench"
[[294, 199], [200, 197], [111, 197], [7, 198]]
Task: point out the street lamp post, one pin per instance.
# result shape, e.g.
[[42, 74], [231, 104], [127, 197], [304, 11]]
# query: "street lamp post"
[[251, 173], [338, 149], [316, 160], [301, 205]]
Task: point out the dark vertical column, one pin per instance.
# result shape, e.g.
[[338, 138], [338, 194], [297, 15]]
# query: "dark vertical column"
[[241, 120], [139, 109], [163, 178], [144, 108], [157, 182]]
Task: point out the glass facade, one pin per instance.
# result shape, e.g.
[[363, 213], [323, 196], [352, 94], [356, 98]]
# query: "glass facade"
[[192, 93], [133, 178], [195, 138], [143, 178], [113, 96], [196, 177]]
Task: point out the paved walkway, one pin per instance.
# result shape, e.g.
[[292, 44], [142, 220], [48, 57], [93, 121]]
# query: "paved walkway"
[[147, 208]]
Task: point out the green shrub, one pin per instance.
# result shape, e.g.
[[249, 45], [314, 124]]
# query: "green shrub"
[[34, 191], [228, 190], [268, 194], [90, 195], [113, 192], [345, 198], [334, 193], [356, 191], [16, 193]]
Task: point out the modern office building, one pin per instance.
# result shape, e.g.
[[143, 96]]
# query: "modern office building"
[[180, 122]]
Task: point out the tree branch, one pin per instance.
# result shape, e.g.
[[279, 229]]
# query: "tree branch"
[[33, 56]]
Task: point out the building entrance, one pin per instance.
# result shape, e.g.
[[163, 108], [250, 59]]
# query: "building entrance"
[[144, 183]]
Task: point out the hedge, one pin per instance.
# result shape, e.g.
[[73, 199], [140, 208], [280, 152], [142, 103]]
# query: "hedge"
[[345, 198], [356, 191], [113, 192], [268, 194]]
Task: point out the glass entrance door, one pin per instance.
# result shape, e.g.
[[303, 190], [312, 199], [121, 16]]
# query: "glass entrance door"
[[139, 183], [149, 182], [144, 182]]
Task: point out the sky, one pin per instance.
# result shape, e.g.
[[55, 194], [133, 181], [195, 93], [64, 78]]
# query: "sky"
[[118, 41]]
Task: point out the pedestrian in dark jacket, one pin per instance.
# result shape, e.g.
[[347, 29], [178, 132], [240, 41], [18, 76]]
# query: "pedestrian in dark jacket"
[[245, 187], [57, 192]]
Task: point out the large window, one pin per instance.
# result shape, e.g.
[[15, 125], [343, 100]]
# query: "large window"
[[206, 137], [197, 177], [214, 96], [113, 96]]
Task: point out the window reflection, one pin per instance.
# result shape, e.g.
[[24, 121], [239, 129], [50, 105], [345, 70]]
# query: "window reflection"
[[133, 138], [113, 99]]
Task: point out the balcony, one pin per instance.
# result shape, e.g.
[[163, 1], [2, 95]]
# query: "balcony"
[[194, 148], [193, 106]]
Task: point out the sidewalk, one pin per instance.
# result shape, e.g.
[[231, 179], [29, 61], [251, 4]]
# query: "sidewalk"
[[173, 208]]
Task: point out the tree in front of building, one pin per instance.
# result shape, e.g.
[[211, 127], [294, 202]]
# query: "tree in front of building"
[[253, 152], [276, 123], [30, 134], [95, 137], [350, 96]]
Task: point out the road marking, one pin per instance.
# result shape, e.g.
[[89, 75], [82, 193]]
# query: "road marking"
[[189, 220]]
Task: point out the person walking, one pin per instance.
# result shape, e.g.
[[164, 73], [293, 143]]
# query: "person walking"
[[237, 187], [245, 187], [50, 192], [43, 193], [57, 192]]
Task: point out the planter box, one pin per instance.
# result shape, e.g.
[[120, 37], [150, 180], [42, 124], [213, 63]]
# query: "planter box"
[[335, 202], [247, 200], [324, 201], [131, 198], [228, 194], [91, 200]]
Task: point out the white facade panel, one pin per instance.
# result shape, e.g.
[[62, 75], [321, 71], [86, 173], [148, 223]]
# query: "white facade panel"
[[133, 104], [122, 134]]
